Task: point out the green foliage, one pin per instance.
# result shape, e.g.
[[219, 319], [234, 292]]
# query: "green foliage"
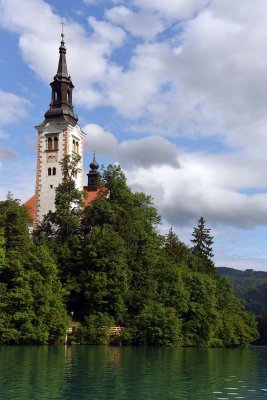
[[2, 249], [104, 275], [114, 269], [134, 219], [96, 330], [176, 251], [70, 166], [157, 325], [31, 307], [250, 286], [171, 288], [14, 225], [202, 246], [200, 318], [262, 327]]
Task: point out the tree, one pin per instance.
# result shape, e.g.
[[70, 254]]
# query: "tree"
[[2, 249], [175, 250], [31, 306], [157, 325], [64, 222], [202, 249], [134, 218], [200, 318], [104, 275]]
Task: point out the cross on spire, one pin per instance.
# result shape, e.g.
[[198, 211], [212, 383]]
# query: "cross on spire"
[[62, 23], [61, 100]]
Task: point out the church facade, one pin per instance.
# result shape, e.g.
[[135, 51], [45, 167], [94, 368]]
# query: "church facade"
[[59, 135]]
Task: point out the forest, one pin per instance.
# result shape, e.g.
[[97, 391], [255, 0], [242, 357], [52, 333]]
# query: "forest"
[[107, 265], [251, 286]]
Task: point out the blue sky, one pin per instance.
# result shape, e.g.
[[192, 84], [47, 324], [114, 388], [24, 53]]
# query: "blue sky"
[[174, 90]]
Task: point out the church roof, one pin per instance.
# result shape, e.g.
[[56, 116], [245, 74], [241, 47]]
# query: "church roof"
[[30, 205], [94, 164], [88, 198], [91, 196], [61, 108]]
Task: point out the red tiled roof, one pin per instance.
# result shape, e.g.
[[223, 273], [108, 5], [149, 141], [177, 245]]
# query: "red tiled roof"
[[30, 205], [88, 198]]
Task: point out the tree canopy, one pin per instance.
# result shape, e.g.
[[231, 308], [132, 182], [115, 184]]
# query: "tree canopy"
[[112, 267], [31, 296]]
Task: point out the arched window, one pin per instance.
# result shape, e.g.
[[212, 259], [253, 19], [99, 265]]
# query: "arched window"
[[55, 143], [58, 96], [52, 143], [77, 147], [54, 171], [49, 144], [73, 146], [49, 171]]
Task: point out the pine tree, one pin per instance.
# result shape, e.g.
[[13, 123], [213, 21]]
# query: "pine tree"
[[176, 251], [202, 249]]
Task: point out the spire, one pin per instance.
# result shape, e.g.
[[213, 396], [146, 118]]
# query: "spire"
[[61, 107], [62, 70], [93, 176], [94, 164]]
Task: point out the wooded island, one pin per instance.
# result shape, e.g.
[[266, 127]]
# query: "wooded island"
[[107, 265]]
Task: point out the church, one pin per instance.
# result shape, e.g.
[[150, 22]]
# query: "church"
[[59, 135]]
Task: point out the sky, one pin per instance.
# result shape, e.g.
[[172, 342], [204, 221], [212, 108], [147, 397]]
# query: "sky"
[[175, 91]]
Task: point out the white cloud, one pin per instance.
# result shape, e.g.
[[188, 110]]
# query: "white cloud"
[[208, 185], [207, 80], [100, 140], [173, 9], [205, 187], [142, 153], [87, 56], [140, 89], [137, 23], [106, 32], [12, 107], [204, 78]]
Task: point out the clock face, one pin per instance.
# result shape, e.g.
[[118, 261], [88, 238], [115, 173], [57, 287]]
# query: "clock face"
[[51, 158]]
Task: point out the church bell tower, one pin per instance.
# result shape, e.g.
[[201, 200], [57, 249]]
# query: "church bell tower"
[[59, 135]]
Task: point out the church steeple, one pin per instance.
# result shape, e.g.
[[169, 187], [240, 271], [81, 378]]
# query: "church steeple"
[[93, 176], [62, 70], [61, 99], [59, 135]]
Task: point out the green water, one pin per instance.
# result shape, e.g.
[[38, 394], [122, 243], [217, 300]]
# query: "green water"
[[107, 373]]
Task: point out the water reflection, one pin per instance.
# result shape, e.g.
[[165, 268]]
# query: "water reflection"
[[144, 373]]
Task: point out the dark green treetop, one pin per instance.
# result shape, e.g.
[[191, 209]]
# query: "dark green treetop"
[[202, 245]]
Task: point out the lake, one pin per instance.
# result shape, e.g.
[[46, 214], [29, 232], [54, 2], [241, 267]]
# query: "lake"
[[131, 373]]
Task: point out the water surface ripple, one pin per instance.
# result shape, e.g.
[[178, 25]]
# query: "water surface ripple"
[[131, 373]]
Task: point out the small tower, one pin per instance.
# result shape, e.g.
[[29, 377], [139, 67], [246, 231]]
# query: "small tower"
[[93, 176], [58, 135]]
